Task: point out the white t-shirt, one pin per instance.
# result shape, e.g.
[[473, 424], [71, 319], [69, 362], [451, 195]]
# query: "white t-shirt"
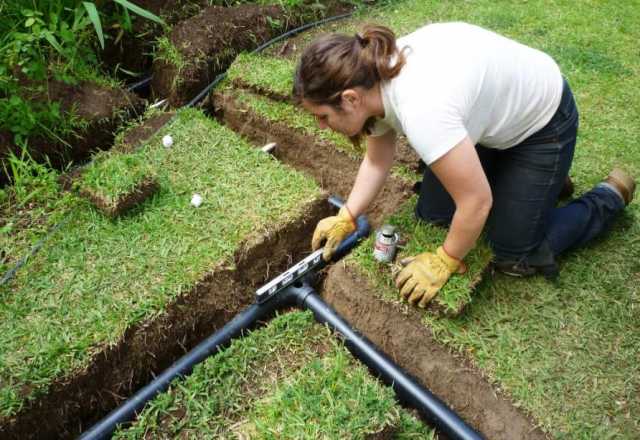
[[461, 80]]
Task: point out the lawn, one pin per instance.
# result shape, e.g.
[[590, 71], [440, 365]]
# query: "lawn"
[[566, 352]]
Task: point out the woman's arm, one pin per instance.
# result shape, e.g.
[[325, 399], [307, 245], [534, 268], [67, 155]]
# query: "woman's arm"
[[461, 173], [373, 172]]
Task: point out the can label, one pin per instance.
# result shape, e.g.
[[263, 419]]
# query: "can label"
[[385, 246]]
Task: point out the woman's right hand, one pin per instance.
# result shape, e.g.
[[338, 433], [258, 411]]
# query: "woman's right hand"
[[333, 230]]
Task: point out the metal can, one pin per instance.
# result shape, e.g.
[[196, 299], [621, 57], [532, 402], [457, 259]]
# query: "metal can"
[[386, 244]]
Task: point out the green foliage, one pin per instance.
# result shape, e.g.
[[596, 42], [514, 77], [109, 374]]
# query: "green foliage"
[[28, 207], [49, 38]]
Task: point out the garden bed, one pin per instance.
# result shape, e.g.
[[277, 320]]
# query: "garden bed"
[[199, 48]]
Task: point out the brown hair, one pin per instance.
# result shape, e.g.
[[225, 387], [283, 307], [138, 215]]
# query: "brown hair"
[[335, 62]]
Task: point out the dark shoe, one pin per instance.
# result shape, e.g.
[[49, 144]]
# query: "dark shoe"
[[567, 189], [522, 269], [623, 183], [540, 262]]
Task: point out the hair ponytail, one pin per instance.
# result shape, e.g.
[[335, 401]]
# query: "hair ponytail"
[[335, 62], [380, 42]]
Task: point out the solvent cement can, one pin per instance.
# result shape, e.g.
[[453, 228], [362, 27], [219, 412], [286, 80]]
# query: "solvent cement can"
[[386, 244]]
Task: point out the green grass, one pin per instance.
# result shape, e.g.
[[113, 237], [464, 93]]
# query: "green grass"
[[421, 237], [28, 209], [264, 73], [292, 116], [112, 175], [567, 352], [96, 277], [288, 380]]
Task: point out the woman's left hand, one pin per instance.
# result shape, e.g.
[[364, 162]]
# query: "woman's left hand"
[[425, 274]]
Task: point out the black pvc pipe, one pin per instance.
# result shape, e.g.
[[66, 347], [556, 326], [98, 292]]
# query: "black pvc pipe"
[[143, 83], [303, 295], [245, 320], [407, 388]]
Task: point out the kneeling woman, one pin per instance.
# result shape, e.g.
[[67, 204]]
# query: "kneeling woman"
[[496, 124]]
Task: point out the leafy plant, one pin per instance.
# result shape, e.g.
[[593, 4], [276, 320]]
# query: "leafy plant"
[[44, 39]]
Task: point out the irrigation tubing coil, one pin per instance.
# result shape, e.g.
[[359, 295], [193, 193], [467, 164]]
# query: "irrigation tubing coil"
[[9, 274], [300, 293]]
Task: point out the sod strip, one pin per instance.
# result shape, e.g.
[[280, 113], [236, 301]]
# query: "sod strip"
[[95, 277], [116, 182], [265, 75], [418, 237], [291, 379]]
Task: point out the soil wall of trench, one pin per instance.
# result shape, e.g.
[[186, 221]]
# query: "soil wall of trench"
[[399, 332]]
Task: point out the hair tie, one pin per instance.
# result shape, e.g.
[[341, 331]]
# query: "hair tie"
[[362, 40]]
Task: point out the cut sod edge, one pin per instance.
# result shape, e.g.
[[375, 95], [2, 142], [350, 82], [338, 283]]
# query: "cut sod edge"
[[76, 401], [400, 333], [334, 170]]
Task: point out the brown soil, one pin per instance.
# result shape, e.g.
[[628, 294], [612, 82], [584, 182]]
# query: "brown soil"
[[240, 84], [136, 136], [142, 191], [74, 403], [406, 155], [402, 336], [208, 43], [133, 51], [334, 170], [102, 109]]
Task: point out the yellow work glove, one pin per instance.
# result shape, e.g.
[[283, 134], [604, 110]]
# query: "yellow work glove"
[[425, 274], [333, 229]]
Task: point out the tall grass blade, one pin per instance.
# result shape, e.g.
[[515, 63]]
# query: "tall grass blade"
[[53, 41], [95, 19], [141, 12]]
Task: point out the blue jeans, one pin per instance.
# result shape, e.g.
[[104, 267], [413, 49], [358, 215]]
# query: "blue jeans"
[[524, 225]]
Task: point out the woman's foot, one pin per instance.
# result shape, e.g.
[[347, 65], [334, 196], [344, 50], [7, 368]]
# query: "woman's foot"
[[622, 183]]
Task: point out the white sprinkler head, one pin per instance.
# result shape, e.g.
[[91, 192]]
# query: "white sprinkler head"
[[196, 200], [167, 141]]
